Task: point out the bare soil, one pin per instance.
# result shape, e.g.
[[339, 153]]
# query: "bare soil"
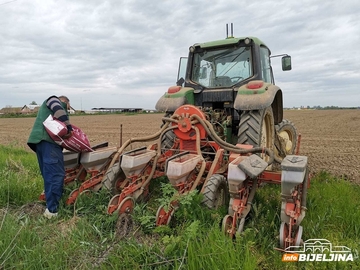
[[330, 138]]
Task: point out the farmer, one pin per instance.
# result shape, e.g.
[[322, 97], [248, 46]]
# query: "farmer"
[[49, 154]]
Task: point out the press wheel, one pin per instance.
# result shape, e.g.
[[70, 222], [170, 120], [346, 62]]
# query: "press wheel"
[[227, 227], [284, 232], [298, 236], [163, 217], [114, 201], [72, 196], [126, 206], [241, 225]]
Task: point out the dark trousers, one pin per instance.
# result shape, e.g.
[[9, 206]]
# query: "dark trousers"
[[51, 163]]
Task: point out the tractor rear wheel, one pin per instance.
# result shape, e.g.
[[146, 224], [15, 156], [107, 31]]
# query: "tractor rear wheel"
[[257, 128], [216, 192], [112, 177], [168, 139], [287, 136]]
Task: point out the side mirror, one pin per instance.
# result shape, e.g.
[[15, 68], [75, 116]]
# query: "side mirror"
[[180, 81], [286, 62]]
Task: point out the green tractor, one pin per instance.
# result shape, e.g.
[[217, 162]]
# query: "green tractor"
[[232, 82], [222, 131]]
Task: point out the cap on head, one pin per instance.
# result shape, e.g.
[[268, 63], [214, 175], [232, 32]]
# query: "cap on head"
[[66, 100]]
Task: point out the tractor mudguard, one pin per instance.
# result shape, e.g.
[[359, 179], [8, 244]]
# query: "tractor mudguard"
[[174, 98], [255, 95]]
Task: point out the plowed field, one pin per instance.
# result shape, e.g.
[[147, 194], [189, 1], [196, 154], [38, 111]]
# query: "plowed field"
[[330, 138]]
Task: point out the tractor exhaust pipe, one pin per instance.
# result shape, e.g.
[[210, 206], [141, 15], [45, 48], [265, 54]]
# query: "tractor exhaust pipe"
[[227, 30]]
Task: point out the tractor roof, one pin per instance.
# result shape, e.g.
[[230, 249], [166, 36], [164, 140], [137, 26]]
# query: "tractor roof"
[[228, 41]]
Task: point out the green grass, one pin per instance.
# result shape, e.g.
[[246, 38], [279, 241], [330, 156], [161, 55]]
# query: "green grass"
[[85, 237]]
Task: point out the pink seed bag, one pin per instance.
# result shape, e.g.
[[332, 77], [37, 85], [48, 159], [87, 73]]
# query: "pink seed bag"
[[56, 129]]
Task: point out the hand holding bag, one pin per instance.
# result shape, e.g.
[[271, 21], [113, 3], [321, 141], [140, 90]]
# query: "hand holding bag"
[[56, 129]]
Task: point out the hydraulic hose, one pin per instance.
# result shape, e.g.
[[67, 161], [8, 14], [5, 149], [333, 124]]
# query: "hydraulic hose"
[[158, 153], [203, 164], [142, 139], [227, 146]]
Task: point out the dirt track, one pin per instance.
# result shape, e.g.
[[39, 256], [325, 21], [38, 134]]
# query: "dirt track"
[[330, 139]]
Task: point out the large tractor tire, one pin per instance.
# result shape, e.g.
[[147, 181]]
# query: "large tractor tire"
[[287, 136], [112, 178], [257, 128], [216, 192]]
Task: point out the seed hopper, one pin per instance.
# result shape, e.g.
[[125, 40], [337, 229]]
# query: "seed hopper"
[[95, 164]]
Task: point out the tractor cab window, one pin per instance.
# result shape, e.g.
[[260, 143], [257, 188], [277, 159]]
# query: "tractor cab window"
[[265, 64], [225, 67], [182, 70]]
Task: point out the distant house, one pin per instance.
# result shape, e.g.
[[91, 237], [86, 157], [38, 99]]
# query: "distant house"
[[13, 110], [34, 109], [72, 110], [26, 109]]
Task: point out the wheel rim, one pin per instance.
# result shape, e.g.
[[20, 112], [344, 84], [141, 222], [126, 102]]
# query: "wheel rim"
[[126, 206], [241, 225], [85, 192], [288, 139], [83, 200], [72, 197], [266, 132], [159, 213], [170, 216], [227, 226], [163, 217], [112, 203], [298, 236], [287, 136], [284, 232]]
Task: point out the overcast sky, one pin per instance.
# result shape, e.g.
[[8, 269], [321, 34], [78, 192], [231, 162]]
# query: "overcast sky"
[[126, 53]]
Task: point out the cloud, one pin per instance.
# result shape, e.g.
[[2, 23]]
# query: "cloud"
[[126, 53]]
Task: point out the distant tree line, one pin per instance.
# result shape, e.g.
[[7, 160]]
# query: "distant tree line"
[[324, 108]]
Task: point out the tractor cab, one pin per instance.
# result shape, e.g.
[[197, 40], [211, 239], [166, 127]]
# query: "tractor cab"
[[215, 73], [229, 63]]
